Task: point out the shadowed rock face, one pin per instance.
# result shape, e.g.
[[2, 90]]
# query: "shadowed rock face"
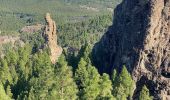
[[51, 38], [140, 39]]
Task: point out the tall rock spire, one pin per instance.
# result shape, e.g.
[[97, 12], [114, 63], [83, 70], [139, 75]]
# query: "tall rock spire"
[[140, 39], [51, 38]]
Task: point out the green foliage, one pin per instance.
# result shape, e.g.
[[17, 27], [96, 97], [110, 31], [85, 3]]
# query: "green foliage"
[[96, 3], [35, 40], [105, 88], [28, 12], [23, 63], [42, 80], [87, 79], [89, 31], [31, 74], [123, 85], [8, 91], [64, 88], [27, 75], [5, 74], [91, 85], [11, 57], [114, 75], [85, 53], [144, 94], [3, 95]]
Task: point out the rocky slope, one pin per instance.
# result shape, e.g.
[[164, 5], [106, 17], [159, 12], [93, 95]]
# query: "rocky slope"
[[51, 38], [8, 39], [140, 39], [32, 28]]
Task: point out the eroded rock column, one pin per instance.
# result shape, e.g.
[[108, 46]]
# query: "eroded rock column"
[[51, 38]]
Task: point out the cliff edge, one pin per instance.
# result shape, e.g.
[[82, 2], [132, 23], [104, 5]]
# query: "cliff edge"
[[140, 39]]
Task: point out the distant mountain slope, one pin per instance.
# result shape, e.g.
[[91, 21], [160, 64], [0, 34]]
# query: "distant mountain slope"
[[98, 3], [15, 14]]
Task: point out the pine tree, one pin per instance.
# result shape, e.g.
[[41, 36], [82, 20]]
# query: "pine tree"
[[64, 88], [114, 75], [8, 91], [5, 74], [123, 84], [120, 92], [87, 79], [144, 94], [105, 88], [24, 57], [11, 57], [85, 53], [3, 95], [31, 94], [43, 76], [23, 96]]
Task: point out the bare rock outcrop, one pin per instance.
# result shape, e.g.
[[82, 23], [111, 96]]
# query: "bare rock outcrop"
[[8, 39], [32, 28], [51, 38], [140, 39]]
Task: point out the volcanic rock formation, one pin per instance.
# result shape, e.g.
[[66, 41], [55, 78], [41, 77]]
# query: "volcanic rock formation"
[[51, 38], [140, 39]]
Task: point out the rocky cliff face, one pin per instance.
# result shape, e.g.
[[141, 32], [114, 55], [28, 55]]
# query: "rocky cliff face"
[[51, 38], [140, 39]]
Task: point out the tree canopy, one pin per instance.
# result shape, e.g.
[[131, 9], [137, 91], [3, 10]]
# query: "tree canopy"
[[144, 94]]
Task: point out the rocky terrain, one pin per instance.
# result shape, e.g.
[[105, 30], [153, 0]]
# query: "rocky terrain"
[[8, 39], [51, 38], [32, 28], [140, 39]]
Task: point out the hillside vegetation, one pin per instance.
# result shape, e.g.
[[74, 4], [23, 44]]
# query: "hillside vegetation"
[[14, 14], [27, 70]]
